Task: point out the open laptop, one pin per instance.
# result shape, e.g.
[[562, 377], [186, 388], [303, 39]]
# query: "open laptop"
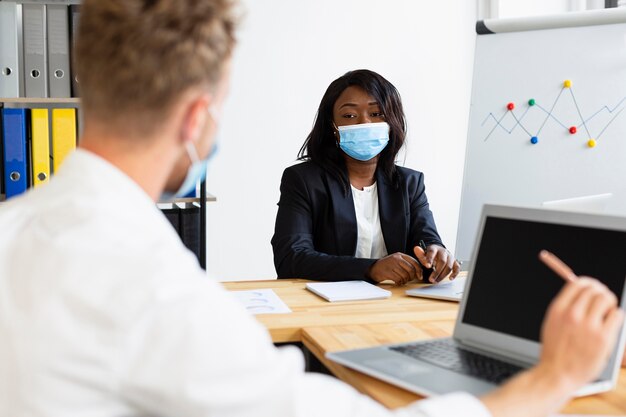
[[506, 296]]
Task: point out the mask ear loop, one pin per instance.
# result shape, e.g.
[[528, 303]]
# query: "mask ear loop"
[[213, 114], [192, 152], [336, 133], [191, 149]]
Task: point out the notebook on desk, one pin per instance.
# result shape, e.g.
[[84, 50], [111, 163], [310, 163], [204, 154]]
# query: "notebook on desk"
[[347, 291], [506, 296], [447, 290]]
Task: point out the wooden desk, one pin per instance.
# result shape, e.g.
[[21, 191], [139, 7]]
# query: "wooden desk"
[[320, 340], [309, 310]]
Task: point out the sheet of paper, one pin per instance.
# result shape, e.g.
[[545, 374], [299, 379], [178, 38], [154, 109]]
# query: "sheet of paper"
[[261, 301]]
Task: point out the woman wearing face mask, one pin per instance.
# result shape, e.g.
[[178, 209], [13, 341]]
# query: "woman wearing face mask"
[[348, 212]]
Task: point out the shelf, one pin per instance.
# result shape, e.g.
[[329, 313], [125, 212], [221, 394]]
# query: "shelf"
[[38, 100], [44, 1], [209, 199]]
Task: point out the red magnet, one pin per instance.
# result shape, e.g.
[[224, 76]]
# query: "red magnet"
[[510, 106], [573, 130]]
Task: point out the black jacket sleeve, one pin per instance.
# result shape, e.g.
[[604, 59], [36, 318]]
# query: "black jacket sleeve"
[[295, 255], [422, 224]]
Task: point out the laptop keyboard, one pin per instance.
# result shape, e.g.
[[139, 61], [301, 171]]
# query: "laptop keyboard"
[[447, 354]]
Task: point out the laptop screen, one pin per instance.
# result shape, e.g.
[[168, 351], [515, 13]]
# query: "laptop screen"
[[511, 289]]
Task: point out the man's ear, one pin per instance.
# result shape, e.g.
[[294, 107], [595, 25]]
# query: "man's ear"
[[194, 118]]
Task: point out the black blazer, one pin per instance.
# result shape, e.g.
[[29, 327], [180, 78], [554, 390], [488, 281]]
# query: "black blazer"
[[316, 232]]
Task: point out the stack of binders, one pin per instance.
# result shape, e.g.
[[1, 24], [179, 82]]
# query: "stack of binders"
[[35, 49], [34, 143]]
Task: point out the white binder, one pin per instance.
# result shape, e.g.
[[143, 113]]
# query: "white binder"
[[58, 50], [35, 54], [9, 50]]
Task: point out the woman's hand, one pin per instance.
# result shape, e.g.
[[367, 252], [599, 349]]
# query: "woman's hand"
[[440, 260], [397, 267]]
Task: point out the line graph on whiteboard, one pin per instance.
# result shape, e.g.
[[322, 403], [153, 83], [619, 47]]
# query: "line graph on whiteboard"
[[591, 126]]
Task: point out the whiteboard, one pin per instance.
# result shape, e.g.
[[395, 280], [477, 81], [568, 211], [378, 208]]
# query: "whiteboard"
[[556, 78]]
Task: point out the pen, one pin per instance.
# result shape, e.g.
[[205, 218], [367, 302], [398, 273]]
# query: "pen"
[[558, 266], [422, 245]]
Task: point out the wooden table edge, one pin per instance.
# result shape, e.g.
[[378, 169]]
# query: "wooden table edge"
[[391, 397]]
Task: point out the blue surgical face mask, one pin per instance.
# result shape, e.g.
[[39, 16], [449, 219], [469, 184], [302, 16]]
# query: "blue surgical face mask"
[[197, 171], [364, 141]]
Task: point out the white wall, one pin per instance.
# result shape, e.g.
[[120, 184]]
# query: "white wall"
[[289, 51]]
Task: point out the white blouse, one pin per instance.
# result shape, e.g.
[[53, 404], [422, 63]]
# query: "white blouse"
[[370, 241]]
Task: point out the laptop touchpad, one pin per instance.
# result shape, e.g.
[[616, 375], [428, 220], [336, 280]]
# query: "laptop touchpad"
[[398, 367]]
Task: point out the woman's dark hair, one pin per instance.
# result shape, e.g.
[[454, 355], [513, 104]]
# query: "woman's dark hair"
[[321, 147]]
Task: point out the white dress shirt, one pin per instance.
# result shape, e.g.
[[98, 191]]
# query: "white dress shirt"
[[104, 312], [370, 241]]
